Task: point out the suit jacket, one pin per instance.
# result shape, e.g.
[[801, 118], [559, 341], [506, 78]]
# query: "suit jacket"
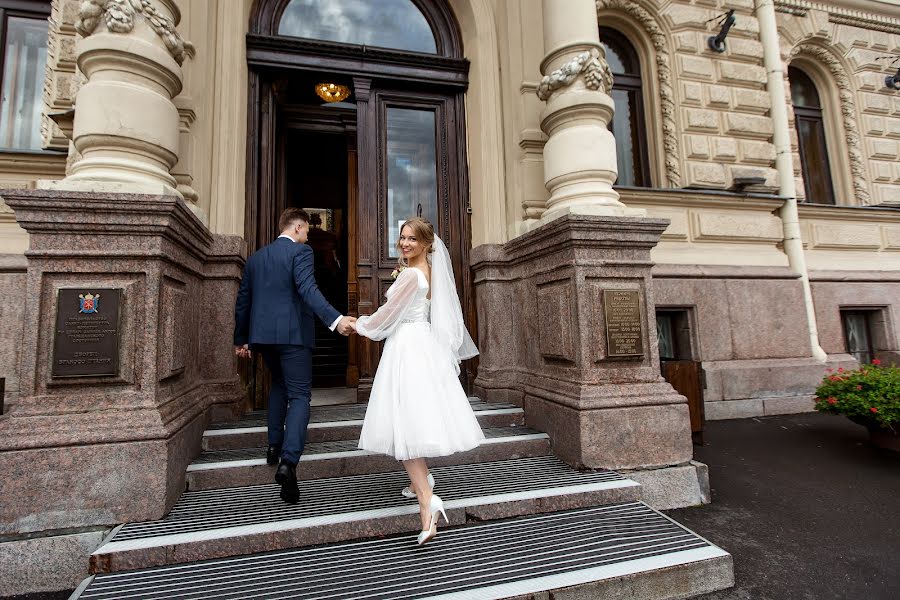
[[279, 296]]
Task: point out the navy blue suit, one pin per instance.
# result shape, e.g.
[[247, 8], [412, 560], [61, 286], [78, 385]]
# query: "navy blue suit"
[[274, 315]]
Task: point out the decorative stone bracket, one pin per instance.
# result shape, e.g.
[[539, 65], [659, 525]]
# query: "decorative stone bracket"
[[119, 16], [592, 64]]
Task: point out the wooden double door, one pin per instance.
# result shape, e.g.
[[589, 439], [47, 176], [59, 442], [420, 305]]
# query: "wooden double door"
[[391, 151]]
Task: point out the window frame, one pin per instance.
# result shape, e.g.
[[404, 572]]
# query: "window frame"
[[633, 85], [867, 315], [683, 332], [28, 9], [814, 115]]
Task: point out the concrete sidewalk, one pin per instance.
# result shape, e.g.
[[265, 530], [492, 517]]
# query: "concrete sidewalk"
[[808, 509]]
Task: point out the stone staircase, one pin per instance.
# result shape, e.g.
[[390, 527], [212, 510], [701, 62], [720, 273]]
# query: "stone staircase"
[[522, 523]]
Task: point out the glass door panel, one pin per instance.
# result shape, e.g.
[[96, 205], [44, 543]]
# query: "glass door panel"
[[412, 187]]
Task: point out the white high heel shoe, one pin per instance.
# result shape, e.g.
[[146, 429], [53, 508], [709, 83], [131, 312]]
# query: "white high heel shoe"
[[435, 506], [408, 492]]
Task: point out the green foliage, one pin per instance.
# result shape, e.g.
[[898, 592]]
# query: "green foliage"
[[869, 393]]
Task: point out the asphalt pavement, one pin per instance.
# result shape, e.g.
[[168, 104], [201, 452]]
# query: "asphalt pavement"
[[807, 507]]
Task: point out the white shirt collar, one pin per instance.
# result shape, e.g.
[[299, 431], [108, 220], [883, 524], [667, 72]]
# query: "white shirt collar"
[[287, 237]]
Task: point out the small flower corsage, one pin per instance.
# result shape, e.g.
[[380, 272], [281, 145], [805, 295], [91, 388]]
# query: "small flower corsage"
[[396, 272]]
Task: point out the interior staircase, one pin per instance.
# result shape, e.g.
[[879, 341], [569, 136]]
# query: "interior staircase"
[[523, 525]]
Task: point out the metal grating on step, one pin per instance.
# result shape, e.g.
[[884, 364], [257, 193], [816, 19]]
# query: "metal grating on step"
[[462, 485], [475, 562], [216, 456], [337, 413]]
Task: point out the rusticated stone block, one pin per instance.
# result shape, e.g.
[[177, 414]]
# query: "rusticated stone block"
[[878, 104], [757, 101], [702, 174], [751, 126], [718, 96], [692, 92], [725, 149], [757, 153], [697, 146], [698, 119], [695, 67], [741, 74]]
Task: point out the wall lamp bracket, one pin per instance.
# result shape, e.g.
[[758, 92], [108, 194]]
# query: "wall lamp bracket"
[[716, 43], [891, 82]]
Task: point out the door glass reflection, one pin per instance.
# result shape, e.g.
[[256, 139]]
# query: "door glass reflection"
[[411, 169]]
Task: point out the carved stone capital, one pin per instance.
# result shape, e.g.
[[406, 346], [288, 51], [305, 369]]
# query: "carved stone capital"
[[592, 65], [119, 17]]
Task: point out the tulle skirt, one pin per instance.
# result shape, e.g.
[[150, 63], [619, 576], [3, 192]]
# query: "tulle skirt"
[[417, 408]]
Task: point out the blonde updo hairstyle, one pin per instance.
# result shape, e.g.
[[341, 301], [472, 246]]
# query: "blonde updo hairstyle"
[[423, 231]]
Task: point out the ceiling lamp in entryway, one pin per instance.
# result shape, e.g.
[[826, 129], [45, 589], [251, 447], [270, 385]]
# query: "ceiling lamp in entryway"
[[332, 92]]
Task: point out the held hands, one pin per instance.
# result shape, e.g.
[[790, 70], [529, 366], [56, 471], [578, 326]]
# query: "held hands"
[[243, 351], [347, 326]]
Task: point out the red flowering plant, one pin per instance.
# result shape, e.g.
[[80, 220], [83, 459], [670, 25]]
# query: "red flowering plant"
[[869, 394]]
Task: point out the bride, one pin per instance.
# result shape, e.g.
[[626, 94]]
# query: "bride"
[[418, 408]]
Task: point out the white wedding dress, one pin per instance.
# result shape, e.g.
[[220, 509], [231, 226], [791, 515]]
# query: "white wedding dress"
[[417, 408]]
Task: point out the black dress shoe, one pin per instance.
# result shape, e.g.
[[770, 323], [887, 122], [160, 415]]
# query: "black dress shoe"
[[273, 454], [287, 477]]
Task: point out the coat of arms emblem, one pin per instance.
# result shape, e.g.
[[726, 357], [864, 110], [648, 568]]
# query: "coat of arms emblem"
[[89, 303]]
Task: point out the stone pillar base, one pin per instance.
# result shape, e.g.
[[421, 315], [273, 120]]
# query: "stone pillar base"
[[553, 341], [616, 437], [96, 450]]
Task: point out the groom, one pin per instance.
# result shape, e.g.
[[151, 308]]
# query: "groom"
[[273, 315]]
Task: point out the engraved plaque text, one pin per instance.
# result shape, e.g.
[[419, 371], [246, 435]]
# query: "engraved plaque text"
[[86, 340], [624, 332]]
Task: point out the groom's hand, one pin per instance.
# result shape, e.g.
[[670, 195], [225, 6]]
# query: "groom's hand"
[[242, 351], [345, 327]]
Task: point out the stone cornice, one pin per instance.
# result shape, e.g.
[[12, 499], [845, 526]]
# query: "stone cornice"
[[868, 214], [682, 198], [856, 15], [133, 216], [854, 276], [33, 163]]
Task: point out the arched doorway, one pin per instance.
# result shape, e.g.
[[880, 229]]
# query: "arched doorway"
[[385, 140]]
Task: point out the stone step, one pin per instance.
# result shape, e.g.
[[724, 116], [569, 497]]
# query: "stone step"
[[218, 523], [247, 466], [342, 422], [614, 551]]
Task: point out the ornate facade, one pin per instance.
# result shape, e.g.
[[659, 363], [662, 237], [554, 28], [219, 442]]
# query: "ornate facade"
[[763, 238]]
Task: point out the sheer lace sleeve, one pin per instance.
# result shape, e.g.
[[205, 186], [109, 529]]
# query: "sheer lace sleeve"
[[401, 295]]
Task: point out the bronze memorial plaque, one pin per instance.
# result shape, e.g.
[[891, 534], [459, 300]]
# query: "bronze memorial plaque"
[[624, 333], [86, 343]]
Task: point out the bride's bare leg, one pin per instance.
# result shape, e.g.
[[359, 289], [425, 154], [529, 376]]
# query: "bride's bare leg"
[[418, 474]]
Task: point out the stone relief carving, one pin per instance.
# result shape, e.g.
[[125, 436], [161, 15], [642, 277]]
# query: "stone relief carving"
[[664, 78], [848, 114], [119, 17], [592, 65]]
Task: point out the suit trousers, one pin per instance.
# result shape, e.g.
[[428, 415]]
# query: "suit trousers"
[[288, 416]]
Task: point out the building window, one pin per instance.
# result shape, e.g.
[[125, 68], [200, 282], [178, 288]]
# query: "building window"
[[673, 332], [395, 24], [628, 124], [858, 334], [23, 39], [811, 136]]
